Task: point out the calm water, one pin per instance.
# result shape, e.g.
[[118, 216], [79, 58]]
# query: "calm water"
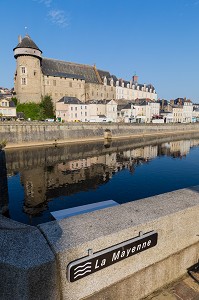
[[35, 182]]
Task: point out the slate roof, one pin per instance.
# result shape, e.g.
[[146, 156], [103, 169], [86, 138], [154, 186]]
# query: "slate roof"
[[53, 67], [27, 43], [108, 76], [128, 106], [93, 101], [71, 100]]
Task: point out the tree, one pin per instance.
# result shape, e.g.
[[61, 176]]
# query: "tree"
[[15, 100], [31, 110], [46, 106]]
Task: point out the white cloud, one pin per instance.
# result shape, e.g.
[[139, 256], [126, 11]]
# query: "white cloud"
[[47, 2], [58, 17]]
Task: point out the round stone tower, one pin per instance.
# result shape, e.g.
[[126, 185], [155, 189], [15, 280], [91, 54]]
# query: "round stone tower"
[[28, 76]]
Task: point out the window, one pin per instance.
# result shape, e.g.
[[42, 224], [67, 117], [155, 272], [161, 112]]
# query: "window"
[[71, 108], [54, 82], [75, 115], [70, 84], [85, 113], [75, 108], [23, 70], [35, 73], [23, 81]]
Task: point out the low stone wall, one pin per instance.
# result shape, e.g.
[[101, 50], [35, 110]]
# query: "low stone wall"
[[33, 261], [30, 132]]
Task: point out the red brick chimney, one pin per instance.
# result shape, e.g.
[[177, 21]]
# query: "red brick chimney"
[[135, 78]]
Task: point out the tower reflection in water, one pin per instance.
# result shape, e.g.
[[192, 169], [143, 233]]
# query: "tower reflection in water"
[[56, 178], [3, 185]]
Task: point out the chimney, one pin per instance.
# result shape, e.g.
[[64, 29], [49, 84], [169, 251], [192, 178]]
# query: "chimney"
[[19, 39], [135, 78]]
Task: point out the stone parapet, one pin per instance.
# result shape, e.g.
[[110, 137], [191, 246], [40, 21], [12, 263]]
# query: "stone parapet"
[[34, 260], [28, 268], [172, 215]]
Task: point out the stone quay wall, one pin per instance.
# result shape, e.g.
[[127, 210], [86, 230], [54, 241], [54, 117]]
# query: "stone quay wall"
[[46, 132], [34, 260]]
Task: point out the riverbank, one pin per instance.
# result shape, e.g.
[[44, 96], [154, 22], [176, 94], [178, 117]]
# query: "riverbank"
[[131, 136]]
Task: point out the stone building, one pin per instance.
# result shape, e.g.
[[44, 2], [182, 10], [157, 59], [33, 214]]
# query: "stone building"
[[7, 109], [37, 76]]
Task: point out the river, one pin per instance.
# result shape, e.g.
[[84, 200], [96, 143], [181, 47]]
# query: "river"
[[37, 181]]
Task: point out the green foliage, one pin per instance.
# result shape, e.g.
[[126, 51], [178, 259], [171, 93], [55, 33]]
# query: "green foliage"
[[46, 106], [37, 111], [15, 100], [31, 110]]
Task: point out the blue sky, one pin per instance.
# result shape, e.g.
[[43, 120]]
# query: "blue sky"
[[157, 39]]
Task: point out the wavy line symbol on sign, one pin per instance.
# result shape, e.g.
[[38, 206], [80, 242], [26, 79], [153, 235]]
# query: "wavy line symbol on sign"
[[81, 270]]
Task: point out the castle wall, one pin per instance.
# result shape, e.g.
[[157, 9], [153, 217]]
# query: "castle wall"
[[58, 87], [99, 91]]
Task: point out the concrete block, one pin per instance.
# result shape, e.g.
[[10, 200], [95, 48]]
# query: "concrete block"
[[172, 215], [27, 265]]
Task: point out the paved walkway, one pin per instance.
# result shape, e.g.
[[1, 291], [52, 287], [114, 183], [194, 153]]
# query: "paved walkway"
[[186, 288]]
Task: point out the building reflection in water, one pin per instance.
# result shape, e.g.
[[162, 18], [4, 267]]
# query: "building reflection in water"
[[3, 185], [65, 177]]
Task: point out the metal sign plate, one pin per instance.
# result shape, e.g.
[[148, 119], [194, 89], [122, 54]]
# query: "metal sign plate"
[[109, 256]]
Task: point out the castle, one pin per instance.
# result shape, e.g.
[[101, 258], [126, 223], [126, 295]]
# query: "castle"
[[37, 76]]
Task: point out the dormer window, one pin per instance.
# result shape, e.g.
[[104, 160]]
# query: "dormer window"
[[105, 81]]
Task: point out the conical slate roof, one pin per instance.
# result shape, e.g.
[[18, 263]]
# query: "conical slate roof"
[[27, 43]]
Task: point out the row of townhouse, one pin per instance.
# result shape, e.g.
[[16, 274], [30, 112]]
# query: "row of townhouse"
[[71, 109], [180, 113]]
